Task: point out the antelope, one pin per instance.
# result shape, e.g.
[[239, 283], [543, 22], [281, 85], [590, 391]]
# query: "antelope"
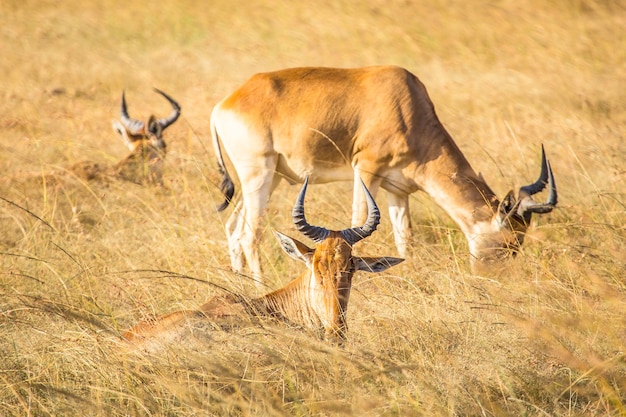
[[377, 124], [145, 141], [143, 164], [316, 300]]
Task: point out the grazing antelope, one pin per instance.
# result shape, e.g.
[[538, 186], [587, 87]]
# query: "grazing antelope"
[[317, 300], [374, 123], [145, 141]]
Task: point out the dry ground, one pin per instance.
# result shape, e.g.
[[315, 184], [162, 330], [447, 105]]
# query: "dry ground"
[[81, 261]]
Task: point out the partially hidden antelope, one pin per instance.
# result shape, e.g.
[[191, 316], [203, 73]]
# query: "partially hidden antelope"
[[374, 123], [145, 141], [316, 300], [147, 148]]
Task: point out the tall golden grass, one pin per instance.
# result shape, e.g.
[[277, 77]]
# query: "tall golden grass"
[[81, 261]]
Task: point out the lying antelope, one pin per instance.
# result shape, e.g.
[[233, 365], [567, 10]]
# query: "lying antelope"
[[374, 123], [143, 164], [145, 141], [317, 300]]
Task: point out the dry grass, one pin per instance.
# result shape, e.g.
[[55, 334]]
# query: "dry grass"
[[81, 261]]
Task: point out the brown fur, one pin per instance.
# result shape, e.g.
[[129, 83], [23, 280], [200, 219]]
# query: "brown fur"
[[317, 300], [331, 124]]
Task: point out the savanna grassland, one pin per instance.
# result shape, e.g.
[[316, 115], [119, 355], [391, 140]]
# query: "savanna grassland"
[[81, 261]]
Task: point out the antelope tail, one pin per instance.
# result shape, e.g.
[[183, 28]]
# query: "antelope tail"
[[227, 187]]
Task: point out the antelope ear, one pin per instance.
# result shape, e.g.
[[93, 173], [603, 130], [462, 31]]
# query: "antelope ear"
[[294, 248], [507, 205], [121, 130], [370, 264]]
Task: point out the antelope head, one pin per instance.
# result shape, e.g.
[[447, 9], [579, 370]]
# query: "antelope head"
[[327, 283], [134, 131], [145, 140], [512, 219]]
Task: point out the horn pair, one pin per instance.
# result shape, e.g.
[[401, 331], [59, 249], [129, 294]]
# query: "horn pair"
[[135, 126], [352, 235], [525, 204]]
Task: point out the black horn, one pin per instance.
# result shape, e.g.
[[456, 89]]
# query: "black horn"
[[134, 126], [173, 116], [526, 205], [315, 233], [356, 234]]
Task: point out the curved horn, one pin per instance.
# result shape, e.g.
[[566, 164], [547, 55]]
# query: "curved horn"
[[317, 234], [134, 126], [552, 197], [528, 205], [356, 234], [525, 205], [174, 115]]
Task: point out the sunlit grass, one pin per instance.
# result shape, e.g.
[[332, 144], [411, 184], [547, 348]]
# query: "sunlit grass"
[[82, 261]]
